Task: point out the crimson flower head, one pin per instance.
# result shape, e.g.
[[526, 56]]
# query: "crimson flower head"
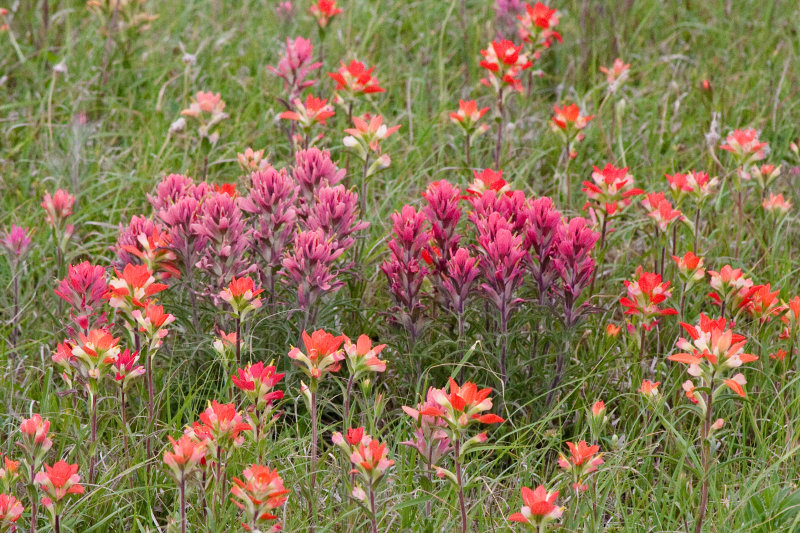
[[582, 461], [186, 454], [132, 287], [323, 354], [536, 26], [295, 66], [258, 381], [462, 406], [312, 111], [356, 78], [259, 495], [645, 296], [790, 317], [745, 146], [324, 11], [10, 511], [57, 482], [84, 289], [125, 367], [611, 189], [539, 508], [58, 207], [504, 62], [468, 115], [15, 244]]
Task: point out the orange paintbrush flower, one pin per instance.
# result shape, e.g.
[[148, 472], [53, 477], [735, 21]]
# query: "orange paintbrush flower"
[[539, 508], [323, 354]]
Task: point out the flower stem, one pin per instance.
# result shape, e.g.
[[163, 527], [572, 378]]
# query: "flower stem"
[[57, 523], [183, 504], [462, 505], [93, 441], [311, 507], [372, 517], [364, 186], [696, 228], [706, 459], [239, 340]]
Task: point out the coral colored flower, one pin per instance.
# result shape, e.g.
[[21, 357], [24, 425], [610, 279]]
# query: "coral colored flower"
[[252, 160], [242, 295], [221, 425], [660, 209], [780, 355], [690, 267], [689, 389], [764, 174], [790, 317], [58, 207], [153, 322], [736, 384], [616, 74], [371, 460], [569, 118], [313, 110], [645, 296], [582, 461], [10, 511], [34, 436], [57, 482], [776, 204], [745, 146], [711, 350], [649, 389], [468, 112], [762, 303], [324, 11], [430, 439], [612, 330], [539, 508], [536, 26], [462, 406], [355, 78], [258, 381], [504, 62], [598, 408], [488, 180], [94, 352], [611, 189], [225, 345], [132, 287], [362, 356], [731, 288], [323, 354], [368, 132], [148, 243], [259, 495], [186, 454], [208, 109]]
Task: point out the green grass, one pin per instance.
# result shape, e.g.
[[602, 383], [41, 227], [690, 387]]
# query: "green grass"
[[651, 477]]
